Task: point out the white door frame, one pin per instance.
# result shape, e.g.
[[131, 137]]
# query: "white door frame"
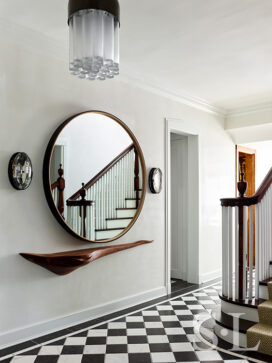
[[184, 128]]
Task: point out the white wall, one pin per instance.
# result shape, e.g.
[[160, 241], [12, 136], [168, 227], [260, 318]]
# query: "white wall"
[[37, 94], [263, 161]]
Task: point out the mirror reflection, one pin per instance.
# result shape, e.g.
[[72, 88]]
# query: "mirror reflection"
[[96, 176]]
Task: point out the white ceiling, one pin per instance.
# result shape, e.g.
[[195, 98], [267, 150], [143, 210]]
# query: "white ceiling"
[[216, 50]]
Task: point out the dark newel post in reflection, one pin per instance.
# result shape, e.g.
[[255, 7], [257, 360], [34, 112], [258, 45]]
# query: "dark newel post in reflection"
[[60, 185], [136, 177], [82, 204]]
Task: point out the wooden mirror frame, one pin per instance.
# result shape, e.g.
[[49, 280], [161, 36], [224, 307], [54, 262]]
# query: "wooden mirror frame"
[[47, 182]]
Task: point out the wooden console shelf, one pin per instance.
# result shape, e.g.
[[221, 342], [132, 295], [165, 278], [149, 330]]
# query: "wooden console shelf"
[[63, 263]]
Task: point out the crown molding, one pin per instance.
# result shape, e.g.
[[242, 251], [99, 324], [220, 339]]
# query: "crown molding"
[[248, 110], [44, 44], [41, 43]]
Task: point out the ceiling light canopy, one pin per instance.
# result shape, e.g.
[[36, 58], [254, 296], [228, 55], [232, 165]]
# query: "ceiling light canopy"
[[94, 38]]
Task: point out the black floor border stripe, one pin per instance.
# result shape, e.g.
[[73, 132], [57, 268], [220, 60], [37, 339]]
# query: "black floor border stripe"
[[12, 350]]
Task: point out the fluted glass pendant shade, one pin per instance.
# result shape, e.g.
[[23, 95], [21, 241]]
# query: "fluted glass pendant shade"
[[94, 38]]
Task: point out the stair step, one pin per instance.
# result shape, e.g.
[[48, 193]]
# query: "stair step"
[[108, 229], [118, 222], [117, 219], [260, 333], [265, 313], [265, 282], [107, 233], [227, 321]]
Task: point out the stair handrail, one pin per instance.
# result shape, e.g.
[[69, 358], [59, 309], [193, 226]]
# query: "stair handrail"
[[254, 199], [60, 185], [90, 183]]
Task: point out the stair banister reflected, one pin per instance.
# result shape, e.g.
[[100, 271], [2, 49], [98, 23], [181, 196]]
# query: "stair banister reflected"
[[57, 189]]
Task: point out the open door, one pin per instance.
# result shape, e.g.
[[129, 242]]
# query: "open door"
[[245, 163]]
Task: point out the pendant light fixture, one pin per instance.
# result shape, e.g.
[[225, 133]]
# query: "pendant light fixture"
[[94, 38]]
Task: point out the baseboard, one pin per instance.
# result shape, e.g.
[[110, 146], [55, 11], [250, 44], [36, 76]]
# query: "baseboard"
[[31, 332], [208, 276]]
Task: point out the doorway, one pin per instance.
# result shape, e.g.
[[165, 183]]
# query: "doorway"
[[245, 167], [179, 206], [182, 201]]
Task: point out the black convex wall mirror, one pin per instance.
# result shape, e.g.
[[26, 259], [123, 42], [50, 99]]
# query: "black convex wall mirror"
[[94, 176]]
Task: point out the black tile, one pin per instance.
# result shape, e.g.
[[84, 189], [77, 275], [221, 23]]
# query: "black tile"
[[8, 360], [17, 348], [193, 302], [155, 331], [93, 358], [178, 338], [180, 307], [32, 351], [116, 348], [103, 326], [186, 317], [121, 320], [151, 318], [58, 342], [52, 336], [171, 324], [117, 332], [96, 340], [198, 311], [186, 357], [139, 358], [189, 330], [226, 356], [139, 313], [137, 339], [135, 325], [46, 359], [161, 347], [167, 312], [72, 349]]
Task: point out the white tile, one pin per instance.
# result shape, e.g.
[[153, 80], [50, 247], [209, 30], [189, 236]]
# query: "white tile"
[[155, 339], [208, 290], [189, 298], [153, 324], [164, 307], [163, 357], [51, 350], [70, 358], [133, 319], [150, 313], [138, 348], [169, 318], [188, 323], [183, 312], [174, 331], [24, 359], [95, 349], [200, 294], [196, 307], [97, 333], [117, 340], [117, 325], [193, 338], [181, 347], [206, 302], [178, 302], [116, 358], [132, 332], [208, 355], [75, 341]]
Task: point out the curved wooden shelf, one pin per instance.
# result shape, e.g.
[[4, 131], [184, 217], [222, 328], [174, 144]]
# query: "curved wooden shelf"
[[63, 263]]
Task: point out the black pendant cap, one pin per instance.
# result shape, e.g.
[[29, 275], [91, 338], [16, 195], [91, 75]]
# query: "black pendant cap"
[[111, 6]]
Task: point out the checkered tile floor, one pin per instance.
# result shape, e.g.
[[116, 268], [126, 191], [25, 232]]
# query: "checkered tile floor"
[[163, 333]]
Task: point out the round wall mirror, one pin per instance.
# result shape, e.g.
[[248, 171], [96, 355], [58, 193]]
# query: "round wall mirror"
[[94, 176]]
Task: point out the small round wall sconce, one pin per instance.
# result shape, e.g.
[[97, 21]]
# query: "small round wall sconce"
[[20, 171], [155, 180]]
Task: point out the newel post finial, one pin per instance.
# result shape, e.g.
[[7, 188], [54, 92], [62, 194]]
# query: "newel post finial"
[[242, 186]]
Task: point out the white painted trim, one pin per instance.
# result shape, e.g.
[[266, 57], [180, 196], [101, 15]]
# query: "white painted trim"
[[184, 128], [251, 109], [31, 332], [208, 276]]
